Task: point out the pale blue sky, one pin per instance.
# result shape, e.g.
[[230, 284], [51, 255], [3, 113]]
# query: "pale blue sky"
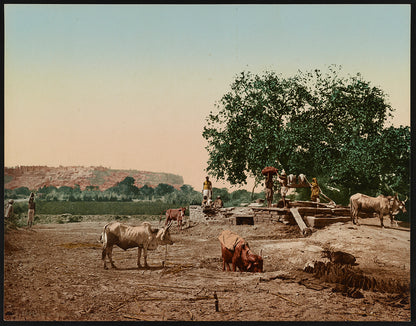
[[129, 86], [256, 35]]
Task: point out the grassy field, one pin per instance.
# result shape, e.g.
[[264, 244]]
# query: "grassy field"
[[70, 212], [21, 220], [67, 218], [96, 208]]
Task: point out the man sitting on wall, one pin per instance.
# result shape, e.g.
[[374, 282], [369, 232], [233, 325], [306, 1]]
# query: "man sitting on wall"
[[218, 203], [206, 202]]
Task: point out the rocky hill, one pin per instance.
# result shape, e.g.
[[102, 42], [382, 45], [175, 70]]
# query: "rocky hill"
[[35, 177]]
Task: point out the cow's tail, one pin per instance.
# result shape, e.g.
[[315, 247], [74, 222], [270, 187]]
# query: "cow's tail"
[[161, 215]]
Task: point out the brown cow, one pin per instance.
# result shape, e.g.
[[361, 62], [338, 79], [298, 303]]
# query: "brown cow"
[[175, 214], [382, 205], [240, 256]]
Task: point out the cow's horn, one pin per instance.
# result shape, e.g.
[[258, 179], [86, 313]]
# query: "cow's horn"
[[406, 199]]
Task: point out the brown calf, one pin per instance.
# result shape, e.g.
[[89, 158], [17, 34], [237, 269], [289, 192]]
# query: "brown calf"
[[175, 214]]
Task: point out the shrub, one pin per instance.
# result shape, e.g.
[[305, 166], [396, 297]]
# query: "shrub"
[[74, 218]]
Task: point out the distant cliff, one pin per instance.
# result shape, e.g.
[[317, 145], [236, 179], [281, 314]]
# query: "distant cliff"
[[35, 177]]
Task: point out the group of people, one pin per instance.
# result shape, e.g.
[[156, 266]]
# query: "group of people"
[[269, 190], [282, 179], [8, 211], [207, 196]]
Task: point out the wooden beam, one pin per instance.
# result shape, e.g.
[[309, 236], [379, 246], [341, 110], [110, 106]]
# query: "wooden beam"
[[301, 203], [270, 209], [297, 185], [342, 211], [302, 226], [314, 210]]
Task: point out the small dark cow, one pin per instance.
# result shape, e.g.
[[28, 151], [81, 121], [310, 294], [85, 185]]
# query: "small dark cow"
[[382, 205], [339, 257], [175, 214], [125, 236], [240, 257]]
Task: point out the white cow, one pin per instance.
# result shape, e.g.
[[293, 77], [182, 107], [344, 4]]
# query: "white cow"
[[382, 205], [302, 179], [125, 236], [291, 179]]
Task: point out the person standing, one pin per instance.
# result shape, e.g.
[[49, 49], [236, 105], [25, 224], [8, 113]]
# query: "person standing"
[[8, 212], [269, 189], [315, 190], [283, 186], [207, 189], [31, 211]]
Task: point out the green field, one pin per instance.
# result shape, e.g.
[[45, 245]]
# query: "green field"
[[97, 208]]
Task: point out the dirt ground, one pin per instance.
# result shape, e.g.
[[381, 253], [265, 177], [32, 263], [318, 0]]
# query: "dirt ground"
[[55, 272]]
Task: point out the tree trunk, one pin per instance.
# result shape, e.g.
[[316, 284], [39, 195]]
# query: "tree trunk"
[[256, 182]]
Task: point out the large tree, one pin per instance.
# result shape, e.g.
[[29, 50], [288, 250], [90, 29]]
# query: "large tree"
[[319, 124]]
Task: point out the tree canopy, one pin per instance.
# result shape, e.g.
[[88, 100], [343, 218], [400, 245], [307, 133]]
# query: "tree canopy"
[[315, 123]]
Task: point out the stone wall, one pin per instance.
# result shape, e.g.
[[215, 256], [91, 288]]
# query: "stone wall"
[[230, 215], [260, 214], [272, 215]]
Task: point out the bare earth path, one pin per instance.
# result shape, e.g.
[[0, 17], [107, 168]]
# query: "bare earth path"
[[54, 272]]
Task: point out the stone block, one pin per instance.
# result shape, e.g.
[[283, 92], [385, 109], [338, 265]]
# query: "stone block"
[[320, 222]]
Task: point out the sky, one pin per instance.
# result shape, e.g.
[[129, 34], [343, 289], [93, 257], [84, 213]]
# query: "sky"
[[130, 86]]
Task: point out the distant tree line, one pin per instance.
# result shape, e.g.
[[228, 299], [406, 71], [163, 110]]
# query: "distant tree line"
[[127, 191]]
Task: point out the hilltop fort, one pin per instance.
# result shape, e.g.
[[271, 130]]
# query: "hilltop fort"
[[35, 177]]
